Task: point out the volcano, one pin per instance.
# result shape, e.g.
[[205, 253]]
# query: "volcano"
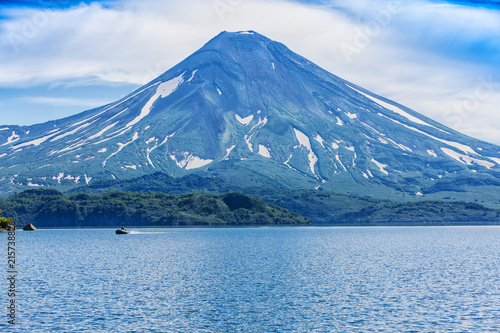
[[248, 110]]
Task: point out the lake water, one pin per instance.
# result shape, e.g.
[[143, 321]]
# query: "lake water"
[[283, 279]]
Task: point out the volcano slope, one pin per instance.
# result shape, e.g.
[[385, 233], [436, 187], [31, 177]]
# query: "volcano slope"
[[247, 110]]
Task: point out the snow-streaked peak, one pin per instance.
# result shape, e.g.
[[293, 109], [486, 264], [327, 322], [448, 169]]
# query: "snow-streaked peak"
[[246, 106]]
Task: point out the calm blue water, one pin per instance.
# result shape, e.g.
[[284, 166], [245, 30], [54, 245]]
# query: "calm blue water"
[[421, 279]]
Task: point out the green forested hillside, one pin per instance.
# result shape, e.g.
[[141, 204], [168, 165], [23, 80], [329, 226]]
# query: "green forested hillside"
[[162, 200], [322, 207], [50, 208], [332, 208]]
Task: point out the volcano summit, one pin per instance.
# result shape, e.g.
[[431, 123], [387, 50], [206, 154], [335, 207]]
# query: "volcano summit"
[[248, 110]]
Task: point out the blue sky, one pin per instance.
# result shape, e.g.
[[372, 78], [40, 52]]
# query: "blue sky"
[[441, 58]]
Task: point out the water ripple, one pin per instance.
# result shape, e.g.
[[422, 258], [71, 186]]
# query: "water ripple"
[[260, 280]]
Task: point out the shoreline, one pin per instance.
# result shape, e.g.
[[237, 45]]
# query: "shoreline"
[[353, 225]]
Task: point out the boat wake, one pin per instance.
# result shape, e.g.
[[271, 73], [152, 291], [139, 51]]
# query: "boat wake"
[[147, 232]]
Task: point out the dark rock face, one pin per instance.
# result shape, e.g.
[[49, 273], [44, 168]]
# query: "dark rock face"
[[29, 227]]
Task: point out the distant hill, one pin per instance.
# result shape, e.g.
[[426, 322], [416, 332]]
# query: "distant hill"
[[327, 208], [322, 207], [52, 209]]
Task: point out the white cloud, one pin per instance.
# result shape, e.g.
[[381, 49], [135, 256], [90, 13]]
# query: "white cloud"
[[427, 57], [65, 101]]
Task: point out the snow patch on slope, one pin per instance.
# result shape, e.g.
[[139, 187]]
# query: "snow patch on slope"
[[35, 142], [462, 147], [381, 166], [320, 140], [338, 160], [120, 147], [13, 138], [150, 150], [107, 128], [261, 123], [397, 110], [249, 144], [244, 121], [189, 161], [465, 159], [399, 145], [351, 115], [59, 177], [81, 143], [163, 90], [116, 115], [288, 160], [192, 75], [264, 151], [228, 151], [304, 141], [71, 132], [75, 179], [432, 153]]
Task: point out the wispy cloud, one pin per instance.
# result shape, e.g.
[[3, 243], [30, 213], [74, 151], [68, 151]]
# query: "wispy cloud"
[[65, 101], [428, 55]]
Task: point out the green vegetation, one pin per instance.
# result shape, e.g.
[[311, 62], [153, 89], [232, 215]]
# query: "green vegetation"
[[332, 208], [136, 205], [6, 223], [50, 208], [321, 207]]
